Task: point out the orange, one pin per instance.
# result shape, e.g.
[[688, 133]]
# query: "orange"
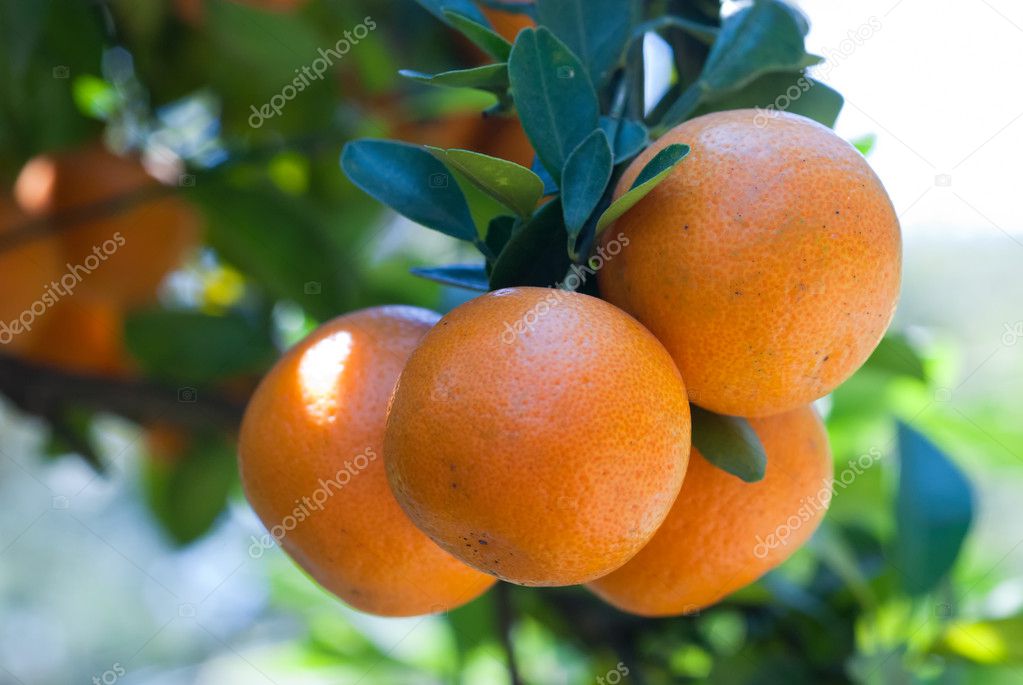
[[126, 254], [724, 533], [508, 24], [312, 465], [27, 271], [83, 334], [768, 262], [539, 435]]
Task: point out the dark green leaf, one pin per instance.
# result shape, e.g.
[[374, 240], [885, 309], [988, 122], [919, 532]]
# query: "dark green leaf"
[[705, 33], [514, 186], [536, 254], [411, 181], [468, 276], [499, 232], [933, 512], [628, 137], [192, 347], [188, 494], [789, 91], [729, 443], [490, 77], [895, 357], [484, 38], [278, 242], [762, 38], [466, 8], [655, 171], [596, 31], [587, 171], [554, 97]]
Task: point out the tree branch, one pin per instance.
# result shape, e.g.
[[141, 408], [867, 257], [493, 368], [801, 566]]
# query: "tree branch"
[[47, 391]]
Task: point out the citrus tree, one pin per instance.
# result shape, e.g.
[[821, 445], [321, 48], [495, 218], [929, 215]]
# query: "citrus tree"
[[667, 257]]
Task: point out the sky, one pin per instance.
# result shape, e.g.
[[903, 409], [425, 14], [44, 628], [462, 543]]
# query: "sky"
[[937, 82]]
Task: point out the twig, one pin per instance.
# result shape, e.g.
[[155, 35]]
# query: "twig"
[[46, 391]]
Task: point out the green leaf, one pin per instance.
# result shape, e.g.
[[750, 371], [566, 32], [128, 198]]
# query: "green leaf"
[[790, 91], [468, 276], [188, 494], [655, 171], [865, 143], [704, 32], [994, 641], [894, 356], [490, 77], [555, 99], [466, 8], [192, 347], [587, 171], [499, 232], [628, 137], [484, 38], [277, 241], [762, 38], [729, 443], [536, 254], [594, 30], [412, 182], [514, 186], [933, 512]]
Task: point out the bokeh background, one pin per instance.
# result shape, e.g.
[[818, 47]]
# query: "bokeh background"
[[126, 548]]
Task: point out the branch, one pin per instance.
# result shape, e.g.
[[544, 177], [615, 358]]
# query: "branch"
[[47, 391], [68, 219]]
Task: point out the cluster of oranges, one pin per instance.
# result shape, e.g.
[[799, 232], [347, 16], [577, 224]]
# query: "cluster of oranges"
[[408, 460], [95, 239]]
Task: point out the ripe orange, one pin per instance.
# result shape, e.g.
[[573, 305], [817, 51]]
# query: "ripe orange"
[[125, 255], [508, 24], [768, 262], [311, 458], [539, 435], [26, 271], [723, 533], [82, 333]]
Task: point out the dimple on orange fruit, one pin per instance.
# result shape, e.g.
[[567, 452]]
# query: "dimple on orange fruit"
[[768, 262], [538, 435], [311, 456], [724, 533]]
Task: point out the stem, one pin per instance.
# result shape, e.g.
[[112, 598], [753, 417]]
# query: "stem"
[[505, 619]]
